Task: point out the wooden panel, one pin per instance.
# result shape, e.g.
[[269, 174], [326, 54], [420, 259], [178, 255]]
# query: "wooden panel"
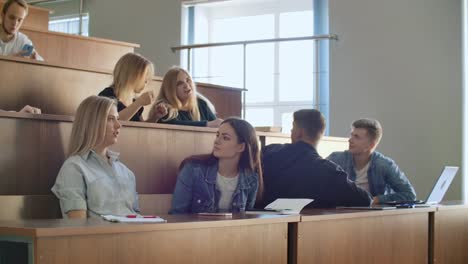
[[384, 238], [152, 151], [265, 243], [59, 90], [451, 235], [155, 204], [325, 147], [54, 89], [228, 101], [78, 51], [14, 207], [38, 17]]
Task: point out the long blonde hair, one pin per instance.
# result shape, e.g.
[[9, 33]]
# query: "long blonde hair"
[[130, 68], [89, 126], [168, 95]]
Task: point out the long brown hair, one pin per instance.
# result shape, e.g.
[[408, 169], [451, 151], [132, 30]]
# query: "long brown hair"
[[249, 161]]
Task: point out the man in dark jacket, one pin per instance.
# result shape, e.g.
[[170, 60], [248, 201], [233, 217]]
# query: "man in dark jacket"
[[297, 171]]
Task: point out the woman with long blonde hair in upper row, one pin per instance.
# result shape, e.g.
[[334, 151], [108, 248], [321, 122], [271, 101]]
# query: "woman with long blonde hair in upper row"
[[92, 181], [131, 75], [179, 102]]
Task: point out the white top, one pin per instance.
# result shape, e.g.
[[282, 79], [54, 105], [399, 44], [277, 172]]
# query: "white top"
[[15, 45], [361, 177], [89, 182], [227, 186]]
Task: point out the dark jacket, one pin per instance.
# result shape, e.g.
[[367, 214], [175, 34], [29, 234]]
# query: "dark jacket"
[[297, 171], [185, 119], [109, 92]]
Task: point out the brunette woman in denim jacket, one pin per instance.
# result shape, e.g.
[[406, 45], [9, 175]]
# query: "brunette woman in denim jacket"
[[228, 179]]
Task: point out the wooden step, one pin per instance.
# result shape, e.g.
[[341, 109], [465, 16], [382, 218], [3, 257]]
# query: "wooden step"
[[57, 89], [37, 18], [34, 148], [78, 51]]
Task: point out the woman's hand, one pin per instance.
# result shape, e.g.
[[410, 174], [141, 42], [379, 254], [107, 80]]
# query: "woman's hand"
[[30, 110], [160, 111], [146, 98]]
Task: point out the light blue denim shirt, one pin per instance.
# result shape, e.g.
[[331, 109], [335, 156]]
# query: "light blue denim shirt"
[[196, 190], [386, 180], [89, 182]]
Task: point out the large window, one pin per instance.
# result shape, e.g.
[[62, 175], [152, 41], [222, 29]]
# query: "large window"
[[70, 25], [279, 76]]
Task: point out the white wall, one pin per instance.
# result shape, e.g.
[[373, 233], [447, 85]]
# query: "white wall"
[[155, 25], [400, 61], [465, 96]]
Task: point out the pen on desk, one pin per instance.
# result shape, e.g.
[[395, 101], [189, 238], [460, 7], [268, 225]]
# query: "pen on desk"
[[142, 216]]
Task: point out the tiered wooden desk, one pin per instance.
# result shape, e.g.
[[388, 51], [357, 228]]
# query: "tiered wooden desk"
[[78, 51], [449, 228], [184, 239], [58, 89], [356, 236]]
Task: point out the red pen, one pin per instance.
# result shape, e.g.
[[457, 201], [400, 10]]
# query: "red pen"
[[143, 216]]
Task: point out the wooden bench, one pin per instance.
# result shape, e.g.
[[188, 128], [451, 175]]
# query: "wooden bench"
[[152, 151], [16, 207], [58, 89], [78, 51]]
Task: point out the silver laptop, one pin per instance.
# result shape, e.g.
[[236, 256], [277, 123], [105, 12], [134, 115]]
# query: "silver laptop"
[[442, 185], [435, 197], [438, 191]]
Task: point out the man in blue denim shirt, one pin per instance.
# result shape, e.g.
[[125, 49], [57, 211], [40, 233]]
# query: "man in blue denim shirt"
[[370, 169]]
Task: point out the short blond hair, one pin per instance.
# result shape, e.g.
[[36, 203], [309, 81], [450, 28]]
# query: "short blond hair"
[[129, 68], [89, 127], [8, 3]]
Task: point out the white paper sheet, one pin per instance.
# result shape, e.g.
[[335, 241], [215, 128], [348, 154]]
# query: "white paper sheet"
[[288, 206], [123, 219]]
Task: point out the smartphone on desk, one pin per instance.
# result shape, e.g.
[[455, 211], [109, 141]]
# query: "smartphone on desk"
[[224, 214], [27, 50]]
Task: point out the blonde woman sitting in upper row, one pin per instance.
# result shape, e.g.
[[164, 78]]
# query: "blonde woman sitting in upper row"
[[131, 75], [179, 103]]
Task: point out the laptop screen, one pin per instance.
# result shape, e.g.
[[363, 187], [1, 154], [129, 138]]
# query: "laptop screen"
[[442, 185]]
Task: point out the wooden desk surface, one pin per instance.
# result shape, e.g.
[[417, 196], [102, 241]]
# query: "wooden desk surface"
[[184, 239], [308, 215], [95, 226]]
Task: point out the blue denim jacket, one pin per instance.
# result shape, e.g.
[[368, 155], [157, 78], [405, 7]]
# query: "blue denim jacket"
[[196, 190], [386, 180]]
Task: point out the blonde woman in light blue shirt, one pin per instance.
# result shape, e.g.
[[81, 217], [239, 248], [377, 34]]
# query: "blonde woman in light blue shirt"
[[92, 181]]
